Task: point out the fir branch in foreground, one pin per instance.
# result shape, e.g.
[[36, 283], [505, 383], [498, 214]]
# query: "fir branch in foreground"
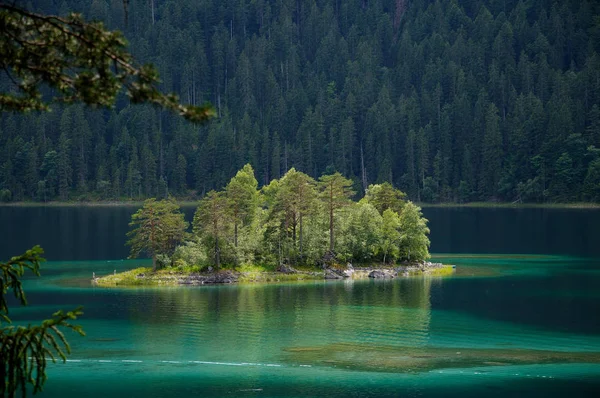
[[81, 61], [25, 351]]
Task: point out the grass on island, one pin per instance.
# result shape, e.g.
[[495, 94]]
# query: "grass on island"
[[265, 273], [172, 276], [127, 278], [246, 274], [446, 270]]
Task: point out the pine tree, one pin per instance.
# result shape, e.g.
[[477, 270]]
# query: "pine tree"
[[296, 198], [492, 153], [64, 166], [180, 175], [158, 227], [335, 192], [211, 222], [242, 198]]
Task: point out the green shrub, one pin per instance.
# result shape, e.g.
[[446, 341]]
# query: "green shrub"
[[192, 253], [5, 195]]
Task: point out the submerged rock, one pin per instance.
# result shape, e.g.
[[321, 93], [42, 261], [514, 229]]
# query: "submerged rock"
[[385, 358]]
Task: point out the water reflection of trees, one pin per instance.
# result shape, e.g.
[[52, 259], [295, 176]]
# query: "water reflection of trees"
[[252, 322]]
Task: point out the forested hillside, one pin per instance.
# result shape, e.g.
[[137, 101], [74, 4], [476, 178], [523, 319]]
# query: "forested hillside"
[[450, 100]]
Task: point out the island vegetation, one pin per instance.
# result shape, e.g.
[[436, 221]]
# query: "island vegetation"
[[295, 228]]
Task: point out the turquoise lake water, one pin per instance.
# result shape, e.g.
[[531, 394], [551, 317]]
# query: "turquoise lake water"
[[505, 325]]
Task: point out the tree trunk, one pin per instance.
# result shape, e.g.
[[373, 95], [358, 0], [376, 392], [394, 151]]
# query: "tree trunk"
[[235, 234], [294, 223], [217, 253], [154, 263], [331, 218], [300, 248]]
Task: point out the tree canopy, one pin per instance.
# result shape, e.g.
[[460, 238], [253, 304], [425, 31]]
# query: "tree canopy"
[[242, 198], [294, 221], [80, 61], [212, 223], [157, 228], [335, 192], [479, 105]]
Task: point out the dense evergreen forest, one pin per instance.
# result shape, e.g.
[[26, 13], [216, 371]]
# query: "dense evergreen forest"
[[449, 100]]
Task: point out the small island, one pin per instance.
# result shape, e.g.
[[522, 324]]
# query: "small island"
[[295, 228]]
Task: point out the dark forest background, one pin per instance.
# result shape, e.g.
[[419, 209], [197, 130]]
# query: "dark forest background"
[[474, 100]]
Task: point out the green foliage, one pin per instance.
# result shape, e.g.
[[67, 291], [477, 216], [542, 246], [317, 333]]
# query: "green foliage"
[[82, 61], [335, 192], [414, 243], [242, 198], [385, 196], [591, 185], [295, 201], [562, 185], [492, 153], [212, 224], [158, 227], [5, 195], [127, 278], [390, 235], [25, 351], [423, 106], [291, 208], [429, 193], [359, 233], [190, 253], [290, 225]]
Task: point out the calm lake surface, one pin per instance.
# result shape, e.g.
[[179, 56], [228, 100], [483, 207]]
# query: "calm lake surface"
[[520, 317]]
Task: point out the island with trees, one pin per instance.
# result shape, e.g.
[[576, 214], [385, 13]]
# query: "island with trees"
[[294, 228]]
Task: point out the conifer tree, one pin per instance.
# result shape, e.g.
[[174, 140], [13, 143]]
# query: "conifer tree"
[[26, 350], [296, 196], [211, 222], [158, 227], [335, 193], [242, 199]]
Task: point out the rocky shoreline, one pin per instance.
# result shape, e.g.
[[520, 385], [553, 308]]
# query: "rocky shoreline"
[[283, 273], [383, 272]]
